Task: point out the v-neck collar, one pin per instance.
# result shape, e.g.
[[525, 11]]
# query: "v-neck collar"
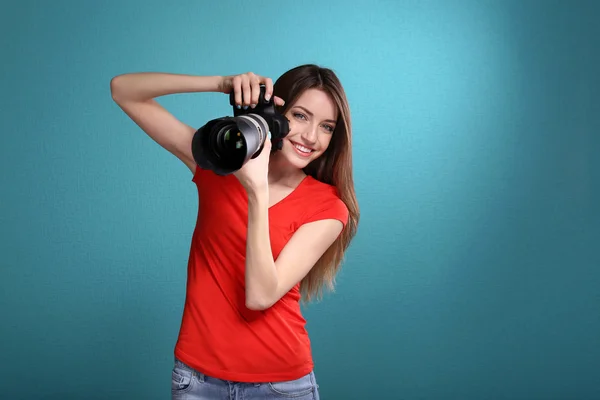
[[292, 193]]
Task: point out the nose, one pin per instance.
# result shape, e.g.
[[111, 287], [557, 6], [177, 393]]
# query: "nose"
[[310, 135]]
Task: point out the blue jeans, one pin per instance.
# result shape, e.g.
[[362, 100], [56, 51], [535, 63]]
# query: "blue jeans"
[[189, 384]]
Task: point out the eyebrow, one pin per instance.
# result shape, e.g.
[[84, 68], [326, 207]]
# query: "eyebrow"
[[312, 115]]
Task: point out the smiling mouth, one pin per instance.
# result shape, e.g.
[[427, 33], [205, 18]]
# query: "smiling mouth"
[[302, 150]]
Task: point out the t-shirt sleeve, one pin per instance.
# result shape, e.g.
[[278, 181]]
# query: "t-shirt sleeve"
[[197, 174], [204, 177], [333, 208]]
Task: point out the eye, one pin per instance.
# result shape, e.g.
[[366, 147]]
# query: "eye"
[[329, 128], [299, 115]]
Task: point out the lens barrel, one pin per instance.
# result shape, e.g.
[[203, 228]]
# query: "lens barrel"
[[225, 144]]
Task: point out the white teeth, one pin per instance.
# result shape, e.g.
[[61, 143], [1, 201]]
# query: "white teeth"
[[302, 148]]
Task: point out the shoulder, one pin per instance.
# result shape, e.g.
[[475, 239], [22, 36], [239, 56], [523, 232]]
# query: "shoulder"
[[323, 202], [317, 186], [205, 177]]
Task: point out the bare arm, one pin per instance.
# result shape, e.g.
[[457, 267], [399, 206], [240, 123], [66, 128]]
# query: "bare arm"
[[266, 280], [135, 93]]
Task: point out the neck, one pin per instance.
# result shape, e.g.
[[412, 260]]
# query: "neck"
[[281, 172]]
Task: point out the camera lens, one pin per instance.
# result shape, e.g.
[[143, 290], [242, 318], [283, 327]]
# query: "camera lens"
[[229, 142], [226, 144]]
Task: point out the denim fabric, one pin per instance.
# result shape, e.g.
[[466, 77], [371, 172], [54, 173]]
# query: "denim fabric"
[[189, 384]]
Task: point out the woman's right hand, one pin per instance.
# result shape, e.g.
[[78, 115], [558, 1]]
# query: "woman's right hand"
[[246, 89]]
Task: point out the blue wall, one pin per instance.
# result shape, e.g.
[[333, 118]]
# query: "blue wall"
[[475, 273]]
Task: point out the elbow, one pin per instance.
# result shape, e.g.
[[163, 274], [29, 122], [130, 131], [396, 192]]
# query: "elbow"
[[256, 303], [115, 91]]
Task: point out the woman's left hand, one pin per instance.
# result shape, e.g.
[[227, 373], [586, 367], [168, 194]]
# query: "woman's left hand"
[[254, 175]]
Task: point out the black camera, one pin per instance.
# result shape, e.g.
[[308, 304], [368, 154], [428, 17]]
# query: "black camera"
[[225, 144]]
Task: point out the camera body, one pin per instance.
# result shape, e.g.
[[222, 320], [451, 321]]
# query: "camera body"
[[278, 124], [225, 144]]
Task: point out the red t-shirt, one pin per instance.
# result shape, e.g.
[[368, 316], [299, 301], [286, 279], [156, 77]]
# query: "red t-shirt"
[[219, 335]]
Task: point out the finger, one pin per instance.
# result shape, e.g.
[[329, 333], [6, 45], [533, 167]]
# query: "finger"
[[268, 143], [278, 101], [255, 83], [268, 88], [237, 90], [246, 91]]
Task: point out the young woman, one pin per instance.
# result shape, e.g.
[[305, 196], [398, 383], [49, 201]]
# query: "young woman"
[[267, 236]]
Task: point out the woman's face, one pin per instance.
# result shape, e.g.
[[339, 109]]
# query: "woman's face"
[[312, 120]]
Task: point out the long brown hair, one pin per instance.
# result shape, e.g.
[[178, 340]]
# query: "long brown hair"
[[333, 167]]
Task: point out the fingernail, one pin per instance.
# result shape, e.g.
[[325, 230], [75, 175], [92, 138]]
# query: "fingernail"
[[253, 105], [239, 107], [269, 135], [245, 107], [267, 97]]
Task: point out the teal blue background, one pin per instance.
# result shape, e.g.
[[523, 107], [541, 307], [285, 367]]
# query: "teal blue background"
[[474, 275]]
